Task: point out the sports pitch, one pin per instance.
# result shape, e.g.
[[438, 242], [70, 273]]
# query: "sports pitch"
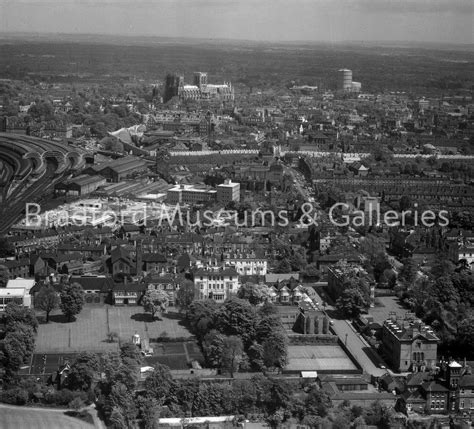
[[89, 331], [318, 358], [24, 418]]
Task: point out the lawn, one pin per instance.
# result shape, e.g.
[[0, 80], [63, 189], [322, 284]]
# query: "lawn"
[[89, 331], [24, 418]]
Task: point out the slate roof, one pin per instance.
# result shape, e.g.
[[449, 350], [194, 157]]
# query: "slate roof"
[[467, 381], [154, 257], [119, 253]]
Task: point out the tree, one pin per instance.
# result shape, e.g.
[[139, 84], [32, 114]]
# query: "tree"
[[6, 248], [372, 246], [121, 404], [317, 402], [185, 296], [442, 267], [409, 271], [232, 354], [131, 351], [275, 350], [212, 347], [255, 293], [72, 300], [405, 203], [112, 336], [266, 325], [351, 303], [311, 272], [47, 300], [17, 314], [150, 411], [111, 143], [160, 383], [4, 276], [83, 370], [202, 315], [465, 335], [283, 266], [155, 300], [237, 317], [18, 345], [379, 414]]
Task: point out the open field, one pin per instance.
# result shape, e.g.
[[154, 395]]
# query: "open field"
[[318, 358], [24, 418], [89, 330]]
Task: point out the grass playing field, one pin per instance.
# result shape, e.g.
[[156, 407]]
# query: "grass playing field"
[[89, 331], [24, 418]]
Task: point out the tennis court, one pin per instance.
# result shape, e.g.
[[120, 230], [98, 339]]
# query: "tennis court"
[[318, 358]]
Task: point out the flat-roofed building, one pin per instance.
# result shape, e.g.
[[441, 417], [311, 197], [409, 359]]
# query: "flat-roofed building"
[[228, 191], [17, 295], [189, 194], [219, 422]]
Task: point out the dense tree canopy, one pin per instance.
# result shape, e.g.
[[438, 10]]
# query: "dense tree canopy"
[[155, 300], [71, 300], [47, 300]]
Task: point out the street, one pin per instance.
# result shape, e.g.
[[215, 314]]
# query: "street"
[[354, 342]]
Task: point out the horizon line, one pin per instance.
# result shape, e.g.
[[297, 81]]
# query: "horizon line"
[[20, 34]]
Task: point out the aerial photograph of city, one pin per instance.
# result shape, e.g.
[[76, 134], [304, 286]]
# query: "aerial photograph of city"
[[236, 214]]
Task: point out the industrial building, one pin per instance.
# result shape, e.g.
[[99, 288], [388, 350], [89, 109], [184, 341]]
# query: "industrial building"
[[80, 185], [119, 169], [189, 194]]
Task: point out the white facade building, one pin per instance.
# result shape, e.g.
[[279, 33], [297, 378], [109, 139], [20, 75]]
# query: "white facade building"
[[216, 283], [17, 291], [228, 191]]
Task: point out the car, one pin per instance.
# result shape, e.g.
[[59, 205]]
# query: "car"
[[382, 367], [331, 322]]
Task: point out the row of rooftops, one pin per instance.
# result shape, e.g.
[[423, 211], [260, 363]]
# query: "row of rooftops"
[[409, 328]]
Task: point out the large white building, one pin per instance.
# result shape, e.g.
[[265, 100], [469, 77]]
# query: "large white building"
[[189, 194], [17, 291], [228, 191], [216, 283]]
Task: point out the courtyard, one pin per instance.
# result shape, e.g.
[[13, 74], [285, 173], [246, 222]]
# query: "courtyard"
[[385, 305]]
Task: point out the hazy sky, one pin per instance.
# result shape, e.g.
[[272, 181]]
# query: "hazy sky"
[[315, 20]]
